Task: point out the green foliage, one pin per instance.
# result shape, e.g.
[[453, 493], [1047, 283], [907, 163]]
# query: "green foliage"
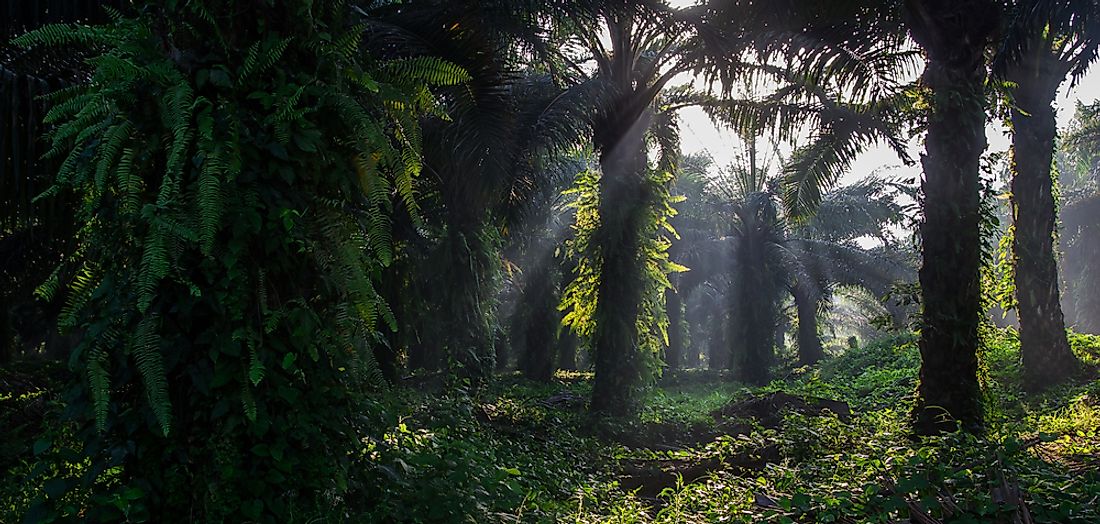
[[527, 452], [822, 469], [233, 224], [502, 457]]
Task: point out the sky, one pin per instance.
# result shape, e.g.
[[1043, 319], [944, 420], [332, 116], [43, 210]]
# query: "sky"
[[699, 134]]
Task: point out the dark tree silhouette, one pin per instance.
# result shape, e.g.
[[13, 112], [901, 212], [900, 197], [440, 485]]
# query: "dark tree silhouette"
[[1047, 40], [954, 35]]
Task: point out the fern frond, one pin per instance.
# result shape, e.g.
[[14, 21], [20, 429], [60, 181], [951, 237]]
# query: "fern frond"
[[48, 289], [180, 103], [255, 366], [248, 402], [120, 72], [154, 267], [80, 292], [145, 347], [129, 184], [58, 35], [210, 200], [99, 382], [72, 105], [260, 57], [424, 69], [175, 228], [347, 45], [109, 150]]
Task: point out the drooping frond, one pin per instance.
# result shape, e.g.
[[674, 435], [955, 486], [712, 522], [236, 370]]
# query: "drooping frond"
[[847, 131], [145, 347]]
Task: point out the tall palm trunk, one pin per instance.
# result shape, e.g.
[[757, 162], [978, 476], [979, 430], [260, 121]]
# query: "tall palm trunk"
[[675, 306], [1080, 227], [469, 307], [810, 350], [692, 351], [1088, 300], [568, 344], [782, 327], [538, 317], [718, 343], [1047, 357], [954, 35], [624, 200], [755, 314]]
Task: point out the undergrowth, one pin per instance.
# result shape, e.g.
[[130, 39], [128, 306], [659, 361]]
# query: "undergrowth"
[[525, 452]]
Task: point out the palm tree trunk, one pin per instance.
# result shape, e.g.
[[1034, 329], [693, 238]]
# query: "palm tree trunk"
[[1082, 251], [1088, 300], [754, 314], [1047, 357], [782, 327], [469, 307], [567, 349], [624, 199], [675, 306], [810, 350], [539, 323], [692, 352], [954, 34], [718, 342]]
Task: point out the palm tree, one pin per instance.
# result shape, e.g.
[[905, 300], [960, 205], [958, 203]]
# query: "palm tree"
[[866, 210], [647, 45], [776, 256], [539, 264], [1047, 40], [694, 225], [749, 248], [954, 36], [481, 165], [1080, 209]]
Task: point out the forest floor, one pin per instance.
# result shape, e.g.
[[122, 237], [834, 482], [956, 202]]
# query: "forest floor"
[[828, 444], [823, 444]]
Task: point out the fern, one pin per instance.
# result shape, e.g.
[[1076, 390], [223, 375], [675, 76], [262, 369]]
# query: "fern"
[[255, 366], [210, 200], [47, 290], [99, 382], [109, 151], [258, 59], [129, 183], [171, 165], [431, 70], [75, 100], [180, 102], [80, 292], [154, 267], [248, 402], [122, 72], [346, 46], [59, 35], [73, 134], [145, 347]]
